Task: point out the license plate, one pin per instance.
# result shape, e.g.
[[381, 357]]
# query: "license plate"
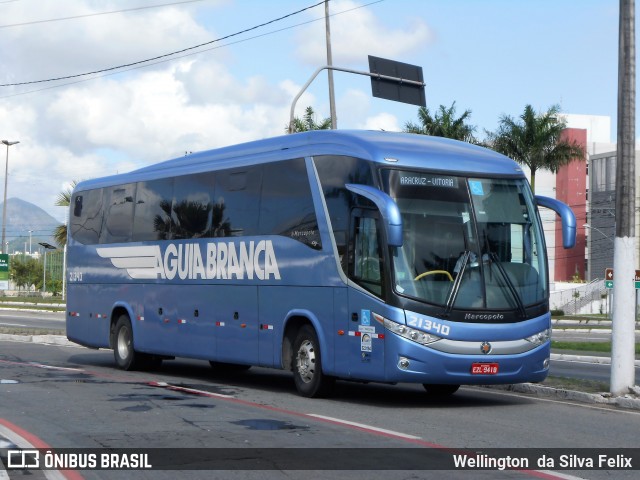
[[484, 368]]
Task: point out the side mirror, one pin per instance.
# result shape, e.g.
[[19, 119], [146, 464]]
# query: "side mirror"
[[388, 209], [566, 216]]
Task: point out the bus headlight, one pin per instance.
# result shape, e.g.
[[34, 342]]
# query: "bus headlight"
[[403, 331], [540, 337]]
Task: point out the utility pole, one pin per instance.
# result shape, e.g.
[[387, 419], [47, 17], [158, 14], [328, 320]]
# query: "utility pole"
[[625, 245], [4, 205], [332, 99]]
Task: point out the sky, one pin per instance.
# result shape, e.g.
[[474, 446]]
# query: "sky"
[[492, 57]]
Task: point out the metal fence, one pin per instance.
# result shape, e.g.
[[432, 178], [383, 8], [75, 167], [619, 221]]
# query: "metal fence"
[[585, 298]]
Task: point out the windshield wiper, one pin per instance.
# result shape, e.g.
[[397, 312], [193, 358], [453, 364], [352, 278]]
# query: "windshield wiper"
[[453, 294], [514, 292]]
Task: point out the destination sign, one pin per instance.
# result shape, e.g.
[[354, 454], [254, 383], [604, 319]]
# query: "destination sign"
[[427, 180]]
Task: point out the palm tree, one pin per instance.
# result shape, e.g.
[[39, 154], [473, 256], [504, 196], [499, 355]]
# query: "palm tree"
[[534, 140], [63, 200], [444, 124], [308, 123]]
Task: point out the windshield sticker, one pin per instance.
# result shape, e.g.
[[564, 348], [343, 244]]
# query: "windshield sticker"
[[222, 260], [476, 187]]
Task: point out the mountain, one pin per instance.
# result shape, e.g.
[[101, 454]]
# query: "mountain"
[[23, 217]]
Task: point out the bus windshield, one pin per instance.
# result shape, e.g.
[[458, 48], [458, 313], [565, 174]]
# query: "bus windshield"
[[468, 243]]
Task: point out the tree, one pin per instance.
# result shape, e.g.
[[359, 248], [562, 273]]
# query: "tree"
[[63, 200], [535, 140], [26, 271], [308, 122], [444, 124]]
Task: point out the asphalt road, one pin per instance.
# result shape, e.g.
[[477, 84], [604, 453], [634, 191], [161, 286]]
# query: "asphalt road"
[[33, 319], [72, 397]]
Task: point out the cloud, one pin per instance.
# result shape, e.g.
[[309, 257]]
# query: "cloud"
[[359, 33], [117, 123], [382, 121], [75, 46]]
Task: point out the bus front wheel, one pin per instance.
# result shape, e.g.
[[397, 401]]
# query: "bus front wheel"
[[307, 365], [125, 355]]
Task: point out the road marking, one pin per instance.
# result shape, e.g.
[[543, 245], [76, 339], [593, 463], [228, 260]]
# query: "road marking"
[[363, 426], [27, 440], [192, 391], [564, 476], [3, 473], [41, 365]]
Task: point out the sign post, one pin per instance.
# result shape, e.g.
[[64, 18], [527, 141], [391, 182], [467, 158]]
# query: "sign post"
[[608, 277]]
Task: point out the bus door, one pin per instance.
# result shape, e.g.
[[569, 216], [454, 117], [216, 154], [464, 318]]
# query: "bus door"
[[366, 340]]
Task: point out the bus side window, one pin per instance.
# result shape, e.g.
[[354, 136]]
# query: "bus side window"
[[118, 221], [286, 206], [237, 203], [152, 217], [193, 205], [86, 221], [366, 259]]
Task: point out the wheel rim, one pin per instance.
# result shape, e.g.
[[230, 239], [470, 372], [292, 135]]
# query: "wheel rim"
[[124, 342], [306, 361]]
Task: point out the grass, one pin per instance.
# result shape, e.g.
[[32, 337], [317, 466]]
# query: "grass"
[[55, 304], [576, 384], [31, 331]]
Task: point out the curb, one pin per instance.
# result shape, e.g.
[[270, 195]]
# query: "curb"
[[627, 401], [60, 340]]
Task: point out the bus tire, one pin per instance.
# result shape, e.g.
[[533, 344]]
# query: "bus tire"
[[306, 364], [440, 390], [126, 357]]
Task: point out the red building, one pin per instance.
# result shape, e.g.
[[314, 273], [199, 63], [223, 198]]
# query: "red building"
[[571, 188]]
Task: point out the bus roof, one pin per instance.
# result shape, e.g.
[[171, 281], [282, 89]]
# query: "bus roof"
[[401, 150]]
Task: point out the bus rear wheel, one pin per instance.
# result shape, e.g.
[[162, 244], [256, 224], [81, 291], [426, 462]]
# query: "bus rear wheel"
[[307, 365], [126, 357], [440, 390]]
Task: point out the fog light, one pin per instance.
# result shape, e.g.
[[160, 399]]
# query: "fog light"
[[545, 364], [403, 363]]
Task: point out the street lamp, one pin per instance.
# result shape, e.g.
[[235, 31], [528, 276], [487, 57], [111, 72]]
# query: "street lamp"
[[47, 246], [4, 205]]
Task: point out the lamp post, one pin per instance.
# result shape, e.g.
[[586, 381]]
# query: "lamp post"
[[4, 205], [47, 246]]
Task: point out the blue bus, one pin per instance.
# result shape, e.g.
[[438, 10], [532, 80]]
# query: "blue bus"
[[355, 255]]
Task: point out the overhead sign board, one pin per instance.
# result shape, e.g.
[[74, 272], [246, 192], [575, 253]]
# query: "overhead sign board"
[[395, 90]]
